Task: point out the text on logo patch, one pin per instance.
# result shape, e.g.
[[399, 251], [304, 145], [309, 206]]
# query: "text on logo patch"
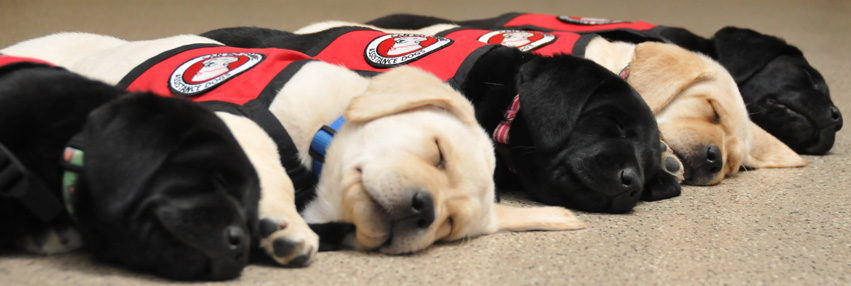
[[203, 73], [397, 49]]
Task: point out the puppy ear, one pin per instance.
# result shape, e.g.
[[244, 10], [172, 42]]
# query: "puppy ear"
[[743, 52], [660, 72], [510, 218], [766, 151], [553, 93], [129, 139], [118, 164], [406, 88]]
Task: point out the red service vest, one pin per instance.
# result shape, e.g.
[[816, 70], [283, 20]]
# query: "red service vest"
[[536, 42], [213, 73], [571, 23], [448, 58], [236, 80], [10, 60]]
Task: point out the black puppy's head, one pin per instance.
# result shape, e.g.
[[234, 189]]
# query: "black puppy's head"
[[166, 188], [593, 144], [784, 94]]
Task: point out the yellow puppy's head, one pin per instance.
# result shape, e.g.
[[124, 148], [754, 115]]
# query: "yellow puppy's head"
[[413, 167], [702, 115]]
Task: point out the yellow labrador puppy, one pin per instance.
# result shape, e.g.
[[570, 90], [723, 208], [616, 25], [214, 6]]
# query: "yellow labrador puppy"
[[697, 104], [698, 107], [408, 168]]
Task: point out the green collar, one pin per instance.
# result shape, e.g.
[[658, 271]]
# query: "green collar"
[[72, 162]]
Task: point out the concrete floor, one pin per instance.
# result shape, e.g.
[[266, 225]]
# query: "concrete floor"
[[774, 227]]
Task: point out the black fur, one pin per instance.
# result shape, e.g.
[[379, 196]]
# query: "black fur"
[[413, 22], [566, 143], [579, 127], [165, 188], [783, 93]]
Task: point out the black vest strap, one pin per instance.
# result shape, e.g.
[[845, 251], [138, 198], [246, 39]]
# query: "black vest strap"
[[258, 111], [145, 66], [18, 182]]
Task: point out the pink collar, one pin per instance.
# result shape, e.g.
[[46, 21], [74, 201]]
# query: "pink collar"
[[624, 72], [500, 134]]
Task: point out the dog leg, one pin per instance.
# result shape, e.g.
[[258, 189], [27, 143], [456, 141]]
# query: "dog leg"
[[52, 240], [511, 218], [284, 235]]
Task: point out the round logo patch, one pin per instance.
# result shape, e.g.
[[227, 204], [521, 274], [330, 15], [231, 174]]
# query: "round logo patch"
[[523, 40], [397, 49], [587, 21], [203, 73]]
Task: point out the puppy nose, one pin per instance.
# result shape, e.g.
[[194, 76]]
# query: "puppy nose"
[[420, 213], [629, 177], [235, 236], [836, 116], [630, 191], [714, 162], [231, 263]]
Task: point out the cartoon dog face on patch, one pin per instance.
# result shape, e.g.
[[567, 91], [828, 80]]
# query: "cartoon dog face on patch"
[[516, 39], [213, 67], [404, 45]]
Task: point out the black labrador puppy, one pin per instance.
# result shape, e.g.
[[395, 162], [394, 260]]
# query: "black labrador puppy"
[[783, 93], [582, 138], [162, 187]]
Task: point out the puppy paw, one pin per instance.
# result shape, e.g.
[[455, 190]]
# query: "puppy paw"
[[288, 244], [52, 240], [563, 219], [671, 164]]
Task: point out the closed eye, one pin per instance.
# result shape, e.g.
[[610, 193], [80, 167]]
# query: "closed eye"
[[440, 163], [219, 182], [606, 124], [715, 117], [820, 86], [619, 126]]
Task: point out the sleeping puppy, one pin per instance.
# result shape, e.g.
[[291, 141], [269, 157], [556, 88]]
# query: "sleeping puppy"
[[409, 166], [154, 170], [582, 137], [698, 108], [697, 104], [784, 94]]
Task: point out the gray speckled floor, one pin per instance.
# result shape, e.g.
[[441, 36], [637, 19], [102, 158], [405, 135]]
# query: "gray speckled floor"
[[773, 227]]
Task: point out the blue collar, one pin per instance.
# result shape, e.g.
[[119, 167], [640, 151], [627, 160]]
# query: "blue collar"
[[320, 143]]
